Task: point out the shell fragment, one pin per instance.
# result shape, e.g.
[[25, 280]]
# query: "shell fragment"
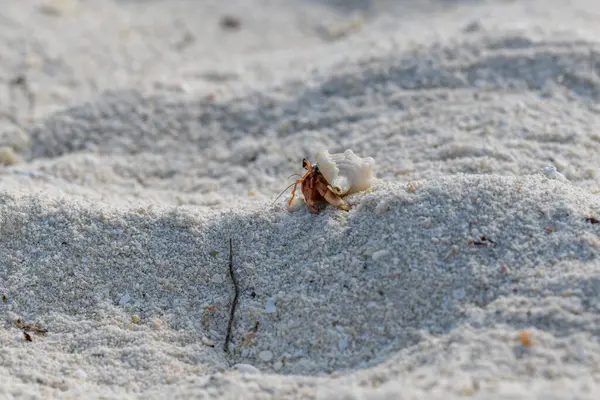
[[346, 172]]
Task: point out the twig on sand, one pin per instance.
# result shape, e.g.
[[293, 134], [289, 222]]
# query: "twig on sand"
[[235, 298]]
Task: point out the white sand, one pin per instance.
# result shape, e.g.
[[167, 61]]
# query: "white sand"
[[157, 135]]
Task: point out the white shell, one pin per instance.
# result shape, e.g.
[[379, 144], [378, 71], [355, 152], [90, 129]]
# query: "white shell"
[[346, 172]]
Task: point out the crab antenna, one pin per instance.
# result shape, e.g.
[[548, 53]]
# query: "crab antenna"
[[284, 190], [294, 175]]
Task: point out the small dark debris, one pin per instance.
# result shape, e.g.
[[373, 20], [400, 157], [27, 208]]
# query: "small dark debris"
[[253, 294], [483, 242], [591, 220], [231, 23], [477, 243], [20, 80], [27, 337], [473, 26], [4, 299], [485, 239], [30, 328]]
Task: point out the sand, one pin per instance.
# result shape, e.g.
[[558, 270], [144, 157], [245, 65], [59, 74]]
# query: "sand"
[[138, 137]]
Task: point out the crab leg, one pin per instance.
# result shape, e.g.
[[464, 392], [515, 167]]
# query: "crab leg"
[[333, 198], [294, 191]]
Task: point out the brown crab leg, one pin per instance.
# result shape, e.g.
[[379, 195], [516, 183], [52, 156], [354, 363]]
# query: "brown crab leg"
[[294, 191], [299, 182], [333, 198]]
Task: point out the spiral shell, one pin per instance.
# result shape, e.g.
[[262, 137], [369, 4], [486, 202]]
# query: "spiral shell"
[[346, 172]]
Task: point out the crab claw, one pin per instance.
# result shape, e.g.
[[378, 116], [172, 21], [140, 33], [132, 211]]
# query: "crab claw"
[[333, 198]]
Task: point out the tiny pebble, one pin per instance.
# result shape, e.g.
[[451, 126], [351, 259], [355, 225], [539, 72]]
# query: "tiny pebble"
[[135, 319], [579, 352], [277, 366], [270, 307], [79, 374], [459, 293], [383, 207], [124, 299], [552, 173], [380, 254], [207, 342], [265, 355], [246, 369], [7, 156], [343, 344]]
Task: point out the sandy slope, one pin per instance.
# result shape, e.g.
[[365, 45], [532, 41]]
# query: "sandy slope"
[[157, 135]]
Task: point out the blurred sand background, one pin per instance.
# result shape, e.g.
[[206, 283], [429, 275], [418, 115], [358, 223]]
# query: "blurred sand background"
[[138, 137]]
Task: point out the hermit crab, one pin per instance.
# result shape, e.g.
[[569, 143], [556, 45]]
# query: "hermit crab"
[[333, 177]]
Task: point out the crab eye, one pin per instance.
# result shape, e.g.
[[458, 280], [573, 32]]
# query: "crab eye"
[[305, 163]]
